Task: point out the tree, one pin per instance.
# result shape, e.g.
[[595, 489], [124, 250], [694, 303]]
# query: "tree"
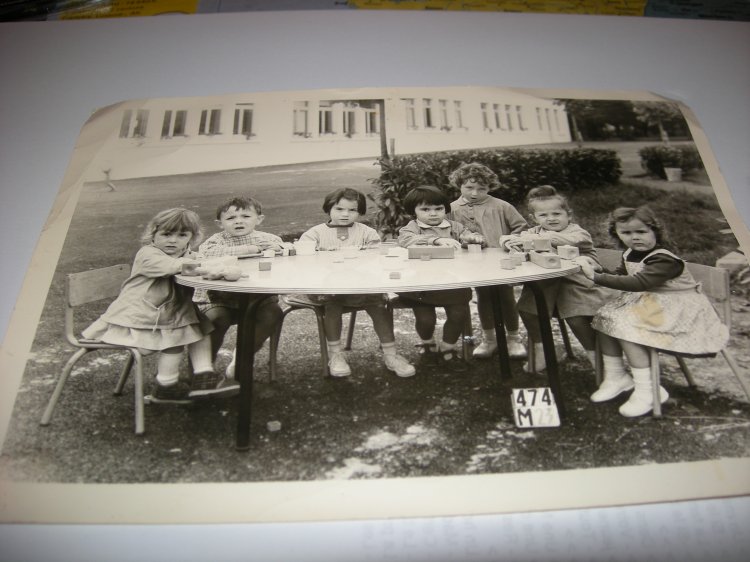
[[657, 113]]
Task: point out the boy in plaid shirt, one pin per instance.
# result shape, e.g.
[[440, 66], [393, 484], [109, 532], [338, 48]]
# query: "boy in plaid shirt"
[[238, 218]]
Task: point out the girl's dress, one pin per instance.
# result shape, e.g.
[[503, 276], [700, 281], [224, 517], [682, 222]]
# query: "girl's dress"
[[574, 295], [151, 312], [330, 237], [672, 315]]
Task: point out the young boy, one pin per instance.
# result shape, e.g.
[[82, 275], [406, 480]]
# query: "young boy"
[[238, 218], [428, 205], [492, 217]]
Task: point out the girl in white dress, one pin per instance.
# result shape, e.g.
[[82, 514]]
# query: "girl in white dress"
[[661, 306]]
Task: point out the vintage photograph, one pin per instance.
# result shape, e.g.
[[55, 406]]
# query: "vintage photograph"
[[415, 283]]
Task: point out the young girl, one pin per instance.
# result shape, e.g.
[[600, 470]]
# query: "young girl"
[[661, 307], [574, 298], [344, 207], [494, 218], [428, 206], [153, 313]]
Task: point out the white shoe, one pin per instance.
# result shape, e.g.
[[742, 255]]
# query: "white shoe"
[[230, 369], [485, 350], [642, 402], [338, 367], [516, 349], [612, 387], [399, 365]]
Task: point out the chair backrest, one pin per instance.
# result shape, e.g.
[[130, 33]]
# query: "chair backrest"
[[96, 284], [714, 281]]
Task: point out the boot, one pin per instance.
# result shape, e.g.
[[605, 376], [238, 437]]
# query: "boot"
[[616, 380], [642, 400]]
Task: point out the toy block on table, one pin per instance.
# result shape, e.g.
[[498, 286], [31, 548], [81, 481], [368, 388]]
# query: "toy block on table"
[[543, 259], [568, 252], [435, 252], [542, 244]]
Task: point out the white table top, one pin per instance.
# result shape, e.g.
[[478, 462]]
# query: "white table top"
[[321, 274]]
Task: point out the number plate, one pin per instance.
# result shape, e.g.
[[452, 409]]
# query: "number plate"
[[534, 407]]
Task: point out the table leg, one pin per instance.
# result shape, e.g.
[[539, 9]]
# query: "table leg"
[[244, 367], [545, 327], [502, 341]]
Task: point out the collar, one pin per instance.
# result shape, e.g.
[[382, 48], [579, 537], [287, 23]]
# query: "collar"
[[443, 224], [462, 201], [329, 225]]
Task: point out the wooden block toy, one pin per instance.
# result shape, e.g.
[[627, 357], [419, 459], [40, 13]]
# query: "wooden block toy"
[[542, 244], [435, 252], [548, 261], [568, 252], [264, 266], [394, 275], [507, 263], [528, 244], [518, 258]]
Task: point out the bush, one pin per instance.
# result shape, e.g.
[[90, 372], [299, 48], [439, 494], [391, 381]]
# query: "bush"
[[655, 158], [517, 169]]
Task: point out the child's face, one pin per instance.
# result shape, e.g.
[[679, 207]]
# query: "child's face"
[[172, 243], [429, 213], [636, 235], [344, 212], [239, 222], [550, 215], [474, 192]]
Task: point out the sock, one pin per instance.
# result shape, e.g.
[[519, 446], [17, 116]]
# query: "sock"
[[200, 355], [430, 344], [446, 348], [613, 366], [168, 368], [591, 353], [489, 336], [334, 347], [388, 348], [512, 334]]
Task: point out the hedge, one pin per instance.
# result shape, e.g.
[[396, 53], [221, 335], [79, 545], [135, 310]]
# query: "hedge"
[[517, 169], [657, 157]]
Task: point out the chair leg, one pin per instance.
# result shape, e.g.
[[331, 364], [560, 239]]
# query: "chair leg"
[[565, 337], [124, 375], [60, 383], [598, 363], [738, 373], [350, 331], [140, 425], [655, 382], [686, 371]]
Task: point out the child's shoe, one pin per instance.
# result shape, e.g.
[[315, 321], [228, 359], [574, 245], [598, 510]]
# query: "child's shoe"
[[642, 400], [428, 355], [516, 349], [211, 384], [229, 373], [451, 359], [177, 393], [337, 365], [612, 386], [399, 365], [485, 350]]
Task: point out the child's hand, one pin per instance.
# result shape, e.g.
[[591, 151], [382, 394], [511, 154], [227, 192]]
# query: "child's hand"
[[586, 267], [514, 244], [252, 249], [269, 245], [450, 242]]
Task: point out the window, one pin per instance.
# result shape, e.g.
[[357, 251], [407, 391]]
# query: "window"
[[519, 114], [485, 117], [135, 128], [325, 118], [210, 123], [372, 123], [350, 123], [411, 117], [243, 120], [427, 113], [507, 116], [300, 117], [173, 124], [549, 125], [444, 115], [498, 116], [457, 114], [557, 120], [539, 119]]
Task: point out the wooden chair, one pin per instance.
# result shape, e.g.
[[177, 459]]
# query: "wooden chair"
[[714, 282], [87, 287], [393, 302]]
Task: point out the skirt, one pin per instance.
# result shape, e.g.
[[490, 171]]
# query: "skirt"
[[146, 338], [571, 296]]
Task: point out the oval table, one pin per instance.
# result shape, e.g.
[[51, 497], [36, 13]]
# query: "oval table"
[[370, 271]]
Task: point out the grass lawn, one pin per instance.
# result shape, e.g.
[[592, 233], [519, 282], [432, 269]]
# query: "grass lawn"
[[371, 425]]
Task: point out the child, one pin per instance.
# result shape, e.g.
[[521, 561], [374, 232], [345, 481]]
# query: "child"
[[428, 205], [493, 218], [661, 306], [238, 218], [574, 298], [153, 313], [344, 207]]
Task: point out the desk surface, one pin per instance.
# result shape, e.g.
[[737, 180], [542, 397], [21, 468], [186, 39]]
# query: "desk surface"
[[370, 272]]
